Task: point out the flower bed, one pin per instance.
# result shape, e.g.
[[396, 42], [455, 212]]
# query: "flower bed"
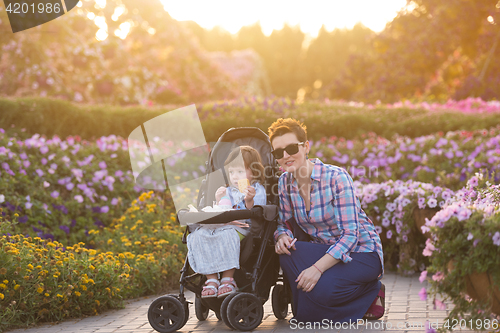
[[391, 206], [441, 159], [465, 246], [44, 280]]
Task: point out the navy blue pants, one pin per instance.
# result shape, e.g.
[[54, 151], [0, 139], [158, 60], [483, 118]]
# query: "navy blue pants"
[[344, 292]]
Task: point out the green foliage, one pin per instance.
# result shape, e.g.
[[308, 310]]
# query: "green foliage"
[[55, 117], [433, 50]]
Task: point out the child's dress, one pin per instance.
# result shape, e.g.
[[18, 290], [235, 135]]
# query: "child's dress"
[[216, 248]]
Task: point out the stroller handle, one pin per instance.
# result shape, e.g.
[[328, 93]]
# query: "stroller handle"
[[267, 212]]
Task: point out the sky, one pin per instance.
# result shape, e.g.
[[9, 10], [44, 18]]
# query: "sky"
[[272, 14]]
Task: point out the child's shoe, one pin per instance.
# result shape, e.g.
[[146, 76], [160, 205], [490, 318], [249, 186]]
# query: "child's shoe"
[[227, 282], [209, 287]]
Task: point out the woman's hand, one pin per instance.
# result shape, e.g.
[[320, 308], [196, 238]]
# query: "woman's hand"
[[308, 278], [221, 191], [283, 244]]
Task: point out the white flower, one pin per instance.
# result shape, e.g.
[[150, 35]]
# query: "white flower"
[[2, 198]]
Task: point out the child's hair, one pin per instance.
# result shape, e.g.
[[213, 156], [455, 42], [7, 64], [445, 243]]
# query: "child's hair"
[[249, 158], [288, 125]]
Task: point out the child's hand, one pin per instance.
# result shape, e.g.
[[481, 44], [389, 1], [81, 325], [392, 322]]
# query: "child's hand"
[[239, 224], [221, 191], [249, 195]]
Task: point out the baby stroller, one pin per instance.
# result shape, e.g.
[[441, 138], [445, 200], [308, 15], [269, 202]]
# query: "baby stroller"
[[259, 264]]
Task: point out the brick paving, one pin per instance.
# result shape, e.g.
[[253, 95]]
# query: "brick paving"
[[405, 312]]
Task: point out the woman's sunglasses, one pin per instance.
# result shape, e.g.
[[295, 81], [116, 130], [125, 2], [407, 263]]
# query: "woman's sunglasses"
[[291, 149]]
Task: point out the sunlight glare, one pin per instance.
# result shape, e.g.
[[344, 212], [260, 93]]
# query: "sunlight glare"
[[119, 10], [124, 30], [311, 15], [100, 4], [101, 35], [100, 21]]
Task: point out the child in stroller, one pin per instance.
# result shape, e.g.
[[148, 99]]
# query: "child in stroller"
[[259, 264], [216, 248]]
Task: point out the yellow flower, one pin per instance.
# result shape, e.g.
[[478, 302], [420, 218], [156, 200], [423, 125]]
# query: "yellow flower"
[[77, 293], [38, 267], [110, 241], [30, 266], [58, 295], [2, 296], [16, 287], [98, 303], [59, 263], [5, 281], [16, 215], [83, 287], [47, 294], [133, 228], [40, 290], [3, 286]]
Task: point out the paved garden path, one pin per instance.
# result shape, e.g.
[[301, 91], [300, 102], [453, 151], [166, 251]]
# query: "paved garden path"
[[405, 312]]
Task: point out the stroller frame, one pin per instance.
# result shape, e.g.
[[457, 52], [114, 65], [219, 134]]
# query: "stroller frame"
[[242, 310]]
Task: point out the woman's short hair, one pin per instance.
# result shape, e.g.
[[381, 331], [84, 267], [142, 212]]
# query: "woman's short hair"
[[249, 158], [288, 125]]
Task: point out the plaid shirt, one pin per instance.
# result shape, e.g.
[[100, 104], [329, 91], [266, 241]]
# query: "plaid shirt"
[[335, 218]]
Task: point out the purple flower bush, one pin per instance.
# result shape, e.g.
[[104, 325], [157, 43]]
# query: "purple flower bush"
[[446, 160], [391, 206], [61, 188], [465, 240]]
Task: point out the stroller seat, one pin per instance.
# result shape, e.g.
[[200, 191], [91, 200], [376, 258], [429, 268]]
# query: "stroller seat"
[[259, 264]]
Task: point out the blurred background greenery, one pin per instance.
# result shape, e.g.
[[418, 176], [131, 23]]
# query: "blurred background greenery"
[[133, 52]]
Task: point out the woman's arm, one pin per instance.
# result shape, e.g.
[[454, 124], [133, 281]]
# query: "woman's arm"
[[346, 208]]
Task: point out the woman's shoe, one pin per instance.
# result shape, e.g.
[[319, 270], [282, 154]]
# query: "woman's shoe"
[[209, 287], [375, 311], [229, 283]]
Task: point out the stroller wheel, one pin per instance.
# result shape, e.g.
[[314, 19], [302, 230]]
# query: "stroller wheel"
[[167, 314], [186, 313], [223, 309], [245, 312], [200, 309], [279, 301]]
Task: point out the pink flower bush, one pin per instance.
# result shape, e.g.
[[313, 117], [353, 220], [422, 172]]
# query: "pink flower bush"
[[465, 239], [468, 105]]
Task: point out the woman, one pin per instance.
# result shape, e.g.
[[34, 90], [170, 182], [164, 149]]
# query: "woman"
[[335, 274]]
